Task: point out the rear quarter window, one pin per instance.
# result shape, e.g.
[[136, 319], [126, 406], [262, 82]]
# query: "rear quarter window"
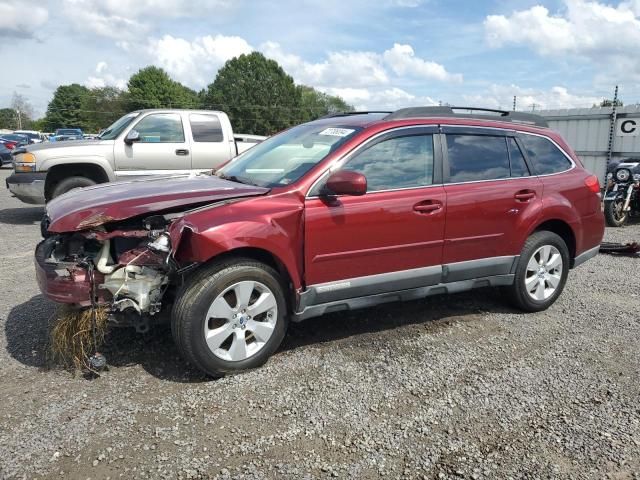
[[544, 155], [205, 128]]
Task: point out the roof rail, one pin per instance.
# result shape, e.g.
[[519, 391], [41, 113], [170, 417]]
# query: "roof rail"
[[345, 114], [468, 112]]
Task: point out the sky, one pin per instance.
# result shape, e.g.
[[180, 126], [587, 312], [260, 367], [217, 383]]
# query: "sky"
[[382, 54]]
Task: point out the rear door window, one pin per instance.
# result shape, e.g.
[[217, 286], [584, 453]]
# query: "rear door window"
[[544, 155], [205, 128], [477, 157]]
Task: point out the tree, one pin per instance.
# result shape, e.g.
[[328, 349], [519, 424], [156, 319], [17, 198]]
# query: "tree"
[[8, 119], [609, 103], [256, 93], [23, 109], [315, 104], [103, 106], [65, 110], [152, 87]]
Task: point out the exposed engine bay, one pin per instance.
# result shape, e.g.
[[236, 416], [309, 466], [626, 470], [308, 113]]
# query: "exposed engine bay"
[[126, 267]]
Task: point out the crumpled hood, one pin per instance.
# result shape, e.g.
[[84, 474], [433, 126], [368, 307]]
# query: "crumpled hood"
[[88, 207]]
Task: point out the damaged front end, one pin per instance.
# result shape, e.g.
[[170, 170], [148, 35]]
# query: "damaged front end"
[[126, 268]]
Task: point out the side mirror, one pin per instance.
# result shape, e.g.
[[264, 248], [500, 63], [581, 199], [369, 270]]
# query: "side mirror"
[[346, 182], [132, 136]]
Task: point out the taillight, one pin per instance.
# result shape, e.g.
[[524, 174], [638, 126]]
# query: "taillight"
[[10, 145], [592, 183]]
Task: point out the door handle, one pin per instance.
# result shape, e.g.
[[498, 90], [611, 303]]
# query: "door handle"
[[182, 151], [525, 195], [428, 206]]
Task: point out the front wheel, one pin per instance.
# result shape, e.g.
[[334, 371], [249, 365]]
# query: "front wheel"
[[541, 272], [69, 184], [230, 317], [614, 213]]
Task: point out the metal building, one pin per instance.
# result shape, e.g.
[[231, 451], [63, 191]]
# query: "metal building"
[[597, 133]]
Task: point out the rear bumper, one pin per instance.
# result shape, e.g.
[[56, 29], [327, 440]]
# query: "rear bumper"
[[64, 282], [28, 187]]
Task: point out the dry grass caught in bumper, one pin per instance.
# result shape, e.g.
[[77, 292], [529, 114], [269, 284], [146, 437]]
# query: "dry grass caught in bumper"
[[71, 340]]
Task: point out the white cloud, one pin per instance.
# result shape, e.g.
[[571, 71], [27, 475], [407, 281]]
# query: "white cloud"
[[402, 60], [340, 68], [130, 19], [380, 98], [21, 18], [359, 68], [501, 96], [586, 28], [103, 78], [195, 62]]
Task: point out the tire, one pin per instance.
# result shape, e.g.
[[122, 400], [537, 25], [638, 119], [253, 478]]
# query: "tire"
[[69, 184], [613, 216], [205, 307], [533, 289]]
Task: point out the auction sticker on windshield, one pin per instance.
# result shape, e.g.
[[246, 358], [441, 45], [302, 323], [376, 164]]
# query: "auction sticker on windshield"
[[337, 132]]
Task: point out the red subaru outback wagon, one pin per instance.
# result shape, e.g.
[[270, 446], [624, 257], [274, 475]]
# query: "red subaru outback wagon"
[[348, 211]]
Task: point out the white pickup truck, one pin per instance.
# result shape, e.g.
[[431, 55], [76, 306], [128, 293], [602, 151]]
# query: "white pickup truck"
[[140, 144]]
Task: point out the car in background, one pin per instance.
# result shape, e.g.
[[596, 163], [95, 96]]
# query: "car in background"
[[140, 144], [34, 136], [15, 139], [62, 134], [5, 154]]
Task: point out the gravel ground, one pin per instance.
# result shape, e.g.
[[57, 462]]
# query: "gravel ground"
[[448, 387]]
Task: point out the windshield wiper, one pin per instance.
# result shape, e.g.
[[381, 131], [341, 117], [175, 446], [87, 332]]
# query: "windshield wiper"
[[235, 178]]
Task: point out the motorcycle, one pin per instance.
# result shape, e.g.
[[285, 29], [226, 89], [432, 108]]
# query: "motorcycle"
[[622, 196]]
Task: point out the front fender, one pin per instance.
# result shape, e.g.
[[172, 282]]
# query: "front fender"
[[272, 224], [97, 160]]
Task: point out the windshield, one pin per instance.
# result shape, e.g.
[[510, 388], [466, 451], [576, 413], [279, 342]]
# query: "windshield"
[[284, 158], [31, 135], [16, 137], [118, 126], [67, 131]]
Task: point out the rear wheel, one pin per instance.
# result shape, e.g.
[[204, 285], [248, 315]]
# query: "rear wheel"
[[541, 272], [614, 213], [230, 317], [69, 184]]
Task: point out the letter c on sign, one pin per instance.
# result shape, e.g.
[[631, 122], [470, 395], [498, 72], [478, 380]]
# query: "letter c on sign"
[[628, 126]]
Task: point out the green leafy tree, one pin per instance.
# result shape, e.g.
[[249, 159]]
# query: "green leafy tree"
[[103, 106], [8, 119], [65, 110], [256, 93], [315, 104], [152, 87]]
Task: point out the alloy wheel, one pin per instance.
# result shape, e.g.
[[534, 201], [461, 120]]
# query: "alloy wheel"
[[240, 321], [544, 272]]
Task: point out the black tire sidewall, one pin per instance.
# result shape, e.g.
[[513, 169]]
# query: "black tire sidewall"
[[69, 184], [535, 241], [193, 319], [609, 215]]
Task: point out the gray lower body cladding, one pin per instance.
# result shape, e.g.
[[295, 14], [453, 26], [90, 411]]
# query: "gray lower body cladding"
[[362, 292]]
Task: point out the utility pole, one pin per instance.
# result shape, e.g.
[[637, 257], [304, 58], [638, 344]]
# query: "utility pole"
[[612, 125], [514, 103], [533, 107], [19, 119]]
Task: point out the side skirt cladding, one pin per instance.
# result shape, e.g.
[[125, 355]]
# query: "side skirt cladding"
[[363, 292]]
